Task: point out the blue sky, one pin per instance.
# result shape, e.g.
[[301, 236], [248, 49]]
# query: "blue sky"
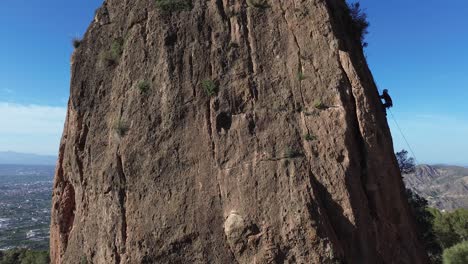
[[417, 49], [35, 69]]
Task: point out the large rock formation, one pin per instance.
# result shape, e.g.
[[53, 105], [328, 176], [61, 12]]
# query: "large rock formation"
[[227, 132]]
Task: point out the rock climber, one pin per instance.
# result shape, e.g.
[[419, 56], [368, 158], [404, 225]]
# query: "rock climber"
[[387, 100]]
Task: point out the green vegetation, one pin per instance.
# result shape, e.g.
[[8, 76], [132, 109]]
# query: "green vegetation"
[[24, 256], [441, 232], [170, 6], [292, 153], [76, 42], [424, 224], [83, 260], [209, 87], [143, 86], [300, 76], [405, 163], [457, 254], [438, 231], [319, 105], [258, 3], [112, 56], [309, 137], [450, 228], [359, 24], [121, 127]]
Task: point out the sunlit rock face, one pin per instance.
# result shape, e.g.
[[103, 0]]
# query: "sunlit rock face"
[[226, 132]]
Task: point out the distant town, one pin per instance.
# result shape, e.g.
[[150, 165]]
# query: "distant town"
[[25, 197]]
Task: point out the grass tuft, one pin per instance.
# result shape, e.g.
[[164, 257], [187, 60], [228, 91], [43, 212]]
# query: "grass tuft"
[[121, 127], [112, 56], [143, 86], [292, 153], [320, 105], [300, 76], [209, 87], [309, 137]]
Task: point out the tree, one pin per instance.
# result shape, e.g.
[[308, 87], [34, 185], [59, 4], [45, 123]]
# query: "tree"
[[424, 223], [419, 207], [457, 254], [359, 23], [450, 228], [24, 256], [405, 163]]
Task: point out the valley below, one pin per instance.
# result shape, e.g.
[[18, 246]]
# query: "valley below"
[[25, 198], [444, 187]]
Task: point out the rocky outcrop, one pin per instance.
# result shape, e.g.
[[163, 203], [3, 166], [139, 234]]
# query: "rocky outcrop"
[[227, 132]]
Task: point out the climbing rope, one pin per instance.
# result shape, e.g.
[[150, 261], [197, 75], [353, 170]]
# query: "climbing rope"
[[403, 135]]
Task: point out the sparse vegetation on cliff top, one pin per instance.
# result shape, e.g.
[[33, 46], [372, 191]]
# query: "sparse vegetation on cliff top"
[[359, 23]]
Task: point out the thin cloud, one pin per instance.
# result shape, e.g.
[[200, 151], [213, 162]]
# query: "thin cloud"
[[30, 128], [28, 119], [7, 91]]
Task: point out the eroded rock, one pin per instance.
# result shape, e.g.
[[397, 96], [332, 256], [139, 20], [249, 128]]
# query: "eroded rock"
[[195, 176]]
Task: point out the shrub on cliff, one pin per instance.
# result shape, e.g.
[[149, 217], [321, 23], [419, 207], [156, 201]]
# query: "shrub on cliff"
[[210, 87], [174, 5], [359, 23], [121, 127], [143, 86], [112, 56], [76, 42], [406, 164], [292, 153], [309, 137]]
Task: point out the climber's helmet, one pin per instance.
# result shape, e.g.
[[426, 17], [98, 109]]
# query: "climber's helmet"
[[385, 91]]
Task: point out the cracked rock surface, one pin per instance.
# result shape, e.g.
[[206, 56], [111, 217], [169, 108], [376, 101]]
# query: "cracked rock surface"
[[258, 137]]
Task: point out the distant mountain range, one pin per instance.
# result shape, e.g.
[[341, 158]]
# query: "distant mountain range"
[[444, 186], [10, 157]]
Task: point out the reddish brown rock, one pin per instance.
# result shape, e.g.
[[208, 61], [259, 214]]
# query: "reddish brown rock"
[[291, 161]]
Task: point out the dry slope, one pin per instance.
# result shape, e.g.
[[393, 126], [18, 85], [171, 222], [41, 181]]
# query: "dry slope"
[[444, 186], [226, 133]]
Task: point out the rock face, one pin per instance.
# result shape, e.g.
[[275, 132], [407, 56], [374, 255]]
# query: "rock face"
[[445, 187], [289, 158]]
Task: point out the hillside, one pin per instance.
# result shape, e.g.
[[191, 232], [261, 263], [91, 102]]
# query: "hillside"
[[227, 132], [445, 187]]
